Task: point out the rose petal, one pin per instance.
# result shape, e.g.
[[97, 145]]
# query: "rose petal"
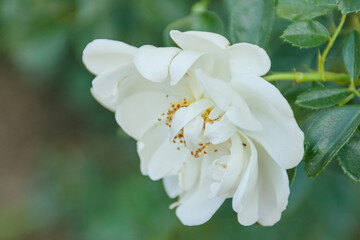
[[167, 159], [248, 58], [234, 167], [106, 84], [184, 115], [171, 185], [101, 55], [219, 91], [219, 131], [235, 107], [181, 65], [246, 198], [281, 136], [193, 133], [189, 173], [273, 187], [139, 112], [199, 41], [263, 192], [158, 156], [240, 115], [153, 63], [196, 207]]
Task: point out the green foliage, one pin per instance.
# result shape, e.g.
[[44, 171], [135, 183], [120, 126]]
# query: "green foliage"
[[351, 55], [301, 10], [349, 157], [317, 98], [306, 34], [349, 6], [197, 21], [87, 185], [301, 114], [328, 133], [251, 21], [291, 174]]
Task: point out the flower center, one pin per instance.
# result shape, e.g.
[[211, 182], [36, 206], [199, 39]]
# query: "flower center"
[[203, 145]]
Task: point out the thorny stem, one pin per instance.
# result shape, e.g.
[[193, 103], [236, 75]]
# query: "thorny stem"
[[322, 57]]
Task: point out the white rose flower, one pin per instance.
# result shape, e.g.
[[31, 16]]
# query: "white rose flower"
[[205, 121]]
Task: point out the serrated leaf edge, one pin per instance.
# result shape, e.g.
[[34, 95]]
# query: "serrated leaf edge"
[[331, 157], [312, 89], [301, 47], [342, 167]]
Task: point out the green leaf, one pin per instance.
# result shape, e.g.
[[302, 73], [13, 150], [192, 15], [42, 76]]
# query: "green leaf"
[[291, 175], [328, 133], [198, 21], [349, 6], [316, 98], [351, 55], [306, 34], [301, 114], [301, 10], [349, 157], [251, 21]]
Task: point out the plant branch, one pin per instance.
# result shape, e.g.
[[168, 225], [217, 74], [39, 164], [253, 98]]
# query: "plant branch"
[[341, 78], [322, 57], [347, 99], [354, 90]]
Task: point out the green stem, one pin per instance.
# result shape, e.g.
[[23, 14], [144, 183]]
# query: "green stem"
[[310, 77], [354, 90], [322, 57], [347, 99]]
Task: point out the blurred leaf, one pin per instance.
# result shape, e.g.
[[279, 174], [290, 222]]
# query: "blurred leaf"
[[349, 157], [349, 6], [199, 21], [321, 97], [351, 55], [251, 21], [291, 175], [328, 133], [300, 10], [306, 34]]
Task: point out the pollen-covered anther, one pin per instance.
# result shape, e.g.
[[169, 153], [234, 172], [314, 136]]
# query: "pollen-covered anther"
[[173, 108], [201, 150], [206, 118], [217, 119]]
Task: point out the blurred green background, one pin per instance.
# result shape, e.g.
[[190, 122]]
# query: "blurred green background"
[[68, 172]]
